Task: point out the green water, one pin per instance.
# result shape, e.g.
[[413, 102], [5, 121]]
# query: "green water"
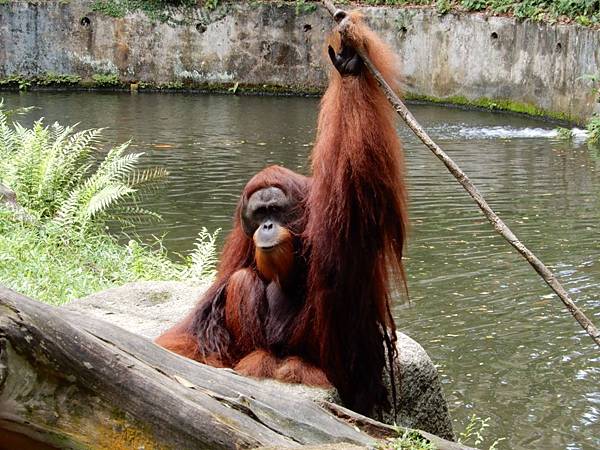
[[506, 348]]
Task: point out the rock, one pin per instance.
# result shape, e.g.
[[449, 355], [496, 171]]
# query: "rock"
[[8, 199], [421, 403], [147, 308], [7, 196]]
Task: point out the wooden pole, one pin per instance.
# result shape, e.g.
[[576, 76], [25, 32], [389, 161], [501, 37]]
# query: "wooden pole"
[[340, 17]]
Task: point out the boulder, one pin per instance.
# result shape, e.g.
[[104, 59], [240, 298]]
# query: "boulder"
[[147, 308]]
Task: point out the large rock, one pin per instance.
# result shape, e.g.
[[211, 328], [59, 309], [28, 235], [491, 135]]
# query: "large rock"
[[148, 308]]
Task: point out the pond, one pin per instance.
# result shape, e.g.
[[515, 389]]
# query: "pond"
[[506, 347]]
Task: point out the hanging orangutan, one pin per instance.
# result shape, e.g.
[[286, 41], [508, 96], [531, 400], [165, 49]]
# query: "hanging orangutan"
[[302, 292]]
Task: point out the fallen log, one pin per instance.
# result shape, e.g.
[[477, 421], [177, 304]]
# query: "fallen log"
[[71, 381]]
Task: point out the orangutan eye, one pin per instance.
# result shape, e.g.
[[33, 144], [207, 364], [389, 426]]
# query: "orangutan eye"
[[261, 211]]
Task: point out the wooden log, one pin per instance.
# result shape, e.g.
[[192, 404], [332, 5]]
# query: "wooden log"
[[72, 381]]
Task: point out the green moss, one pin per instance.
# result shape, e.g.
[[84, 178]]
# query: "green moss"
[[495, 105], [229, 88]]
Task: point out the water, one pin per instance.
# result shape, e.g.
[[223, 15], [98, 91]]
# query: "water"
[[505, 347]]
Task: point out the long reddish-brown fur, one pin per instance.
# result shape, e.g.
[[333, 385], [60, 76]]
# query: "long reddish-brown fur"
[[348, 248]]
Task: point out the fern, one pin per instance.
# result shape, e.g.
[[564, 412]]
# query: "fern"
[[67, 252], [202, 262], [50, 170]]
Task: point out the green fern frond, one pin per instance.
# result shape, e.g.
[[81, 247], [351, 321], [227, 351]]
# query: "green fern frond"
[[147, 177], [50, 168], [203, 259], [102, 200]]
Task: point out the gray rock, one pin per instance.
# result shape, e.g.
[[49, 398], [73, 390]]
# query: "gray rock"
[[8, 199], [7, 196], [421, 403], [148, 308]]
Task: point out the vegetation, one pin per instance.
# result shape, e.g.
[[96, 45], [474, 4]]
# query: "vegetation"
[[18, 81], [48, 79], [564, 133], [55, 79], [494, 105], [166, 11], [593, 129], [474, 433], [408, 440], [585, 12], [106, 80], [62, 249]]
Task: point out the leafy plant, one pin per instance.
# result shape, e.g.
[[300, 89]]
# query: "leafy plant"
[[167, 11], [16, 80], [106, 80], [593, 129], [202, 261], [443, 6], [408, 440], [475, 431], [304, 7], [64, 251], [110, 8], [210, 4], [51, 78], [585, 12], [50, 168]]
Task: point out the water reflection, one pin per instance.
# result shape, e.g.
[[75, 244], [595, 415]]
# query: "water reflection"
[[506, 348]]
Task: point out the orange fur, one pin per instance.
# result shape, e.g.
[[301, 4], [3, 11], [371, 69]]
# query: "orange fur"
[[245, 292], [295, 370], [356, 229], [263, 364], [317, 309], [276, 264], [185, 345], [258, 364]]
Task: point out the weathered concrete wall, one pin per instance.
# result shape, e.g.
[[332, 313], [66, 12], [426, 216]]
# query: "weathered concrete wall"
[[470, 56]]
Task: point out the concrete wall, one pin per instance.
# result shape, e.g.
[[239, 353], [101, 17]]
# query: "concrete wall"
[[456, 55]]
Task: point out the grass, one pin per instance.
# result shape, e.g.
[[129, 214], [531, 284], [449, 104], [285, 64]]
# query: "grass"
[[58, 248], [54, 266]]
